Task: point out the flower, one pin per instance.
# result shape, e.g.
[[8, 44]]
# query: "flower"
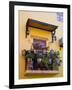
[[50, 61]]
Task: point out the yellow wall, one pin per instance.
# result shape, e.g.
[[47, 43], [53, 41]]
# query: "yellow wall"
[[25, 43], [42, 34]]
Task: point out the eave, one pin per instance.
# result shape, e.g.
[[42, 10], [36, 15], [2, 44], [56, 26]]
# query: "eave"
[[39, 25]]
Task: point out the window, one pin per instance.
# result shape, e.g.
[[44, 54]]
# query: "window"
[[39, 43]]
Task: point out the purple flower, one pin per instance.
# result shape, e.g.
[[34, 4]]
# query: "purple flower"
[[50, 61], [57, 61]]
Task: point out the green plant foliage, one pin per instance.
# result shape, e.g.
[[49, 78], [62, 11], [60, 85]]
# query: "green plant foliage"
[[45, 60], [51, 60], [30, 55]]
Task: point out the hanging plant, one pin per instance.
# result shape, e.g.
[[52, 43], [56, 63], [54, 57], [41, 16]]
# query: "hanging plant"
[[56, 60], [61, 42], [29, 54]]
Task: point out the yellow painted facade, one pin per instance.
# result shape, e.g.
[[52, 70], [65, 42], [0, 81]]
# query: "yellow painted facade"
[[26, 43]]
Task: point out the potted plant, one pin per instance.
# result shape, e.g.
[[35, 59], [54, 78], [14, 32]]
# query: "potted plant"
[[56, 60], [29, 60], [52, 60]]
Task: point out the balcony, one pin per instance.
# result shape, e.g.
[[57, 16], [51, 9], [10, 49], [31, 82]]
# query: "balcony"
[[42, 61]]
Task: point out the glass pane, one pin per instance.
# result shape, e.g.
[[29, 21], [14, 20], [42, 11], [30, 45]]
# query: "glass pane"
[[41, 43]]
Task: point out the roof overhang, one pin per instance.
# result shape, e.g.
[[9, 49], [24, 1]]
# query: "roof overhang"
[[41, 25]]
